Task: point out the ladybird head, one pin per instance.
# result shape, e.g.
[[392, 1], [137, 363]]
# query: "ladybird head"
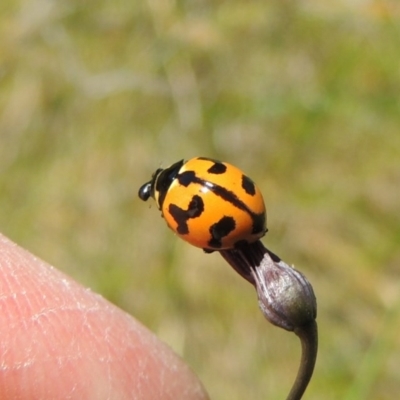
[[159, 184], [145, 191]]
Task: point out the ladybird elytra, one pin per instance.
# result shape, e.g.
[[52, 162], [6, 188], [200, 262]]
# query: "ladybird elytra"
[[210, 204]]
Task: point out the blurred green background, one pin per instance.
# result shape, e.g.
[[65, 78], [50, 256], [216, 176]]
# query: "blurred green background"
[[303, 96]]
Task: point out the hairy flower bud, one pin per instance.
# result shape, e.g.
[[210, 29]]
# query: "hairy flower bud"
[[286, 299], [285, 296]]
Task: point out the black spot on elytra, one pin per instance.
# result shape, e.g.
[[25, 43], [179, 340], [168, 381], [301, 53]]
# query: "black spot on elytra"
[[181, 216], [259, 223], [248, 185], [219, 230], [186, 178], [218, 168]]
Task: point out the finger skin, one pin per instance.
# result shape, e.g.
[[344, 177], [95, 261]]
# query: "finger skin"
[[59, 340]]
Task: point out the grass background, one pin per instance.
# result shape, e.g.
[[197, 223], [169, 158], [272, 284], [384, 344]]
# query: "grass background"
[[303, 96]]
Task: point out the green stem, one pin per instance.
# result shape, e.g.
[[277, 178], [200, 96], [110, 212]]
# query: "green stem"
[[308, 335]]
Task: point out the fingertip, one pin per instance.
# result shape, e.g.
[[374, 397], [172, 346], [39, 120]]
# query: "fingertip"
[[59, 338]]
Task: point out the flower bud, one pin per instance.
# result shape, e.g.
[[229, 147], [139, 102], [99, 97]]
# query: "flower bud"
[[286, 299], [285, 296]]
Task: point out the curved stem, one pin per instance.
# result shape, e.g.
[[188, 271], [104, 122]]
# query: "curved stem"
[[308, 335]]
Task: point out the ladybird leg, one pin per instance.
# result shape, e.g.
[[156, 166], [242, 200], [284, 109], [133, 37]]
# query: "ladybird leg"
[[208, 251]]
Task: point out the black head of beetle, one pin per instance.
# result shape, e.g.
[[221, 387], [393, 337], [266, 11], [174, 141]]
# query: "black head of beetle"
[[160, 182]]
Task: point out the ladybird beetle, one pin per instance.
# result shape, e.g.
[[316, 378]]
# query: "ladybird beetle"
[[208, 203]]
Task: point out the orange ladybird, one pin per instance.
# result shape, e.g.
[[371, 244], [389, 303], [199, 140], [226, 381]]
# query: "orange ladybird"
[[208, 203]]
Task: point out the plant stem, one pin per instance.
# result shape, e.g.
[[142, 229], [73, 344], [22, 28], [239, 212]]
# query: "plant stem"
[[286, 299], [308, 335]]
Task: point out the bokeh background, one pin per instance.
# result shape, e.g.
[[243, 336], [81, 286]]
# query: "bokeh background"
[[304, 96]]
